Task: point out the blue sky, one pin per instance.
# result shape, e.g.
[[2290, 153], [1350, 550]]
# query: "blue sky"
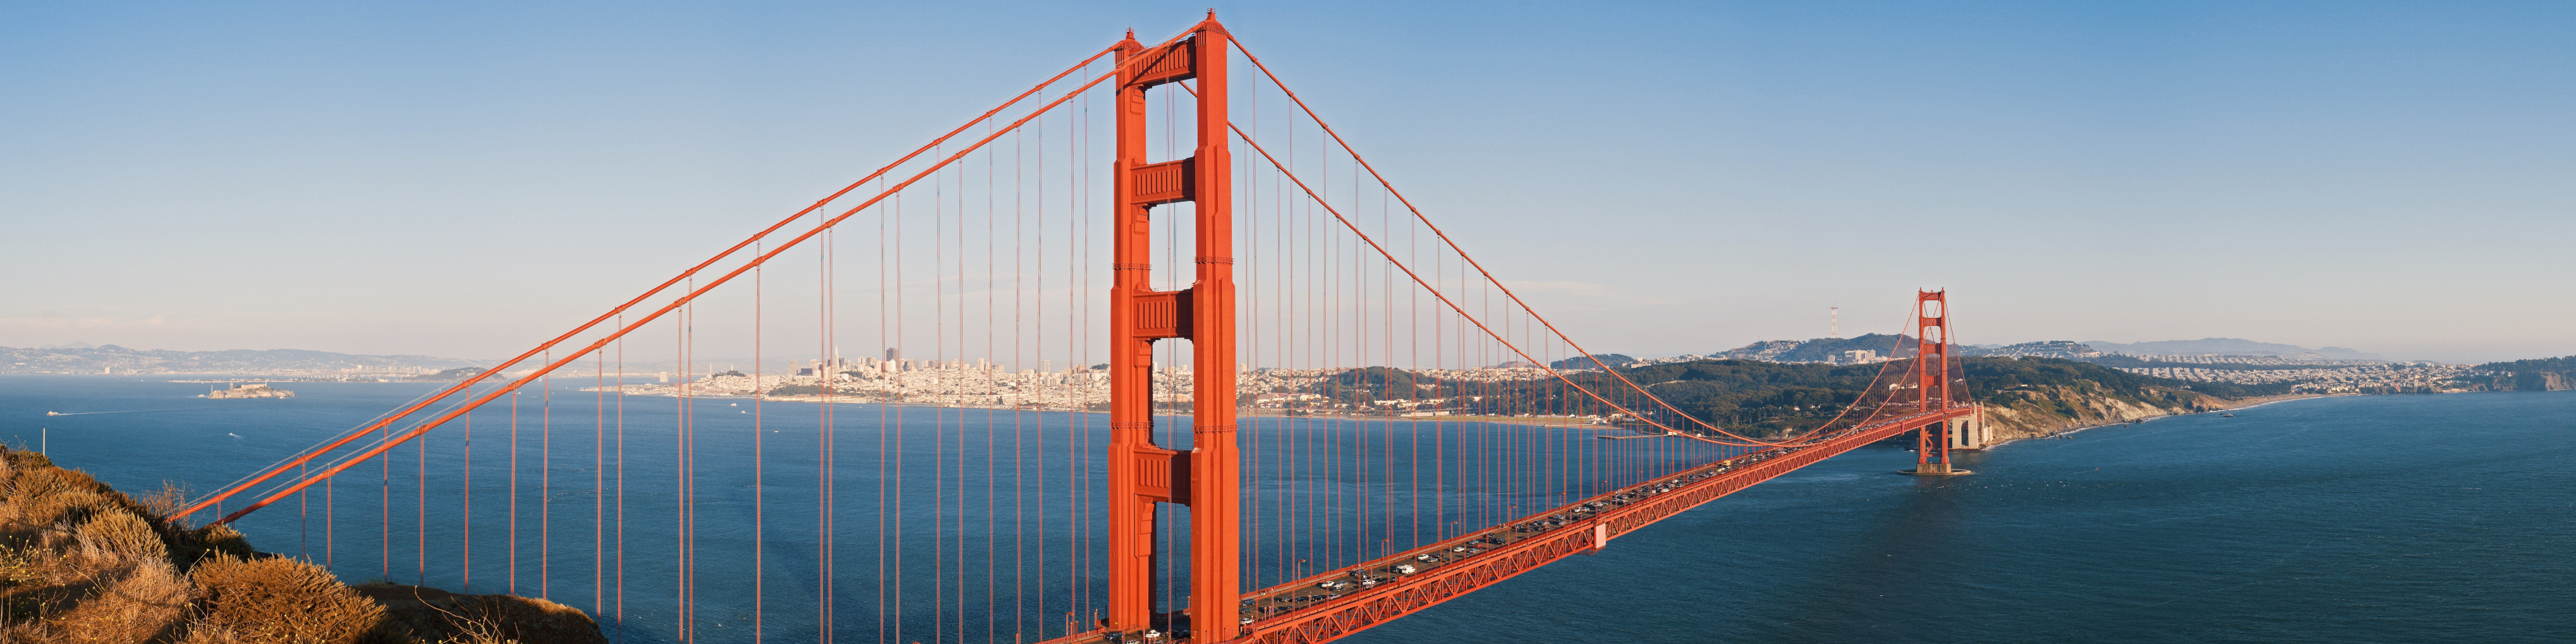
[[435, 178]]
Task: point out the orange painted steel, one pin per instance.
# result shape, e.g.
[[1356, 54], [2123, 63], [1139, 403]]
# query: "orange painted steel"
[[1142, 474], [464, 385], [1932, 368], [1506, 343], [1409, 594], [514, 385], [1359, 610], [1745, 441], [1207, 478]]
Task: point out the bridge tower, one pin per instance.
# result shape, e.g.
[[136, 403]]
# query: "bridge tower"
[[1143, 475], [1932, 370]]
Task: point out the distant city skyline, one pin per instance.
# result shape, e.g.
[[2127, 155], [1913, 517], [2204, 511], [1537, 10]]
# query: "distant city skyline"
[[2387, 177]]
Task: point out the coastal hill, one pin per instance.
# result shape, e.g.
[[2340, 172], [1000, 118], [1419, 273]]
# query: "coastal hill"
[[2026, 396], [114, 359], [83, 562], [1820, 349], [1887, 346], [2545, 374]]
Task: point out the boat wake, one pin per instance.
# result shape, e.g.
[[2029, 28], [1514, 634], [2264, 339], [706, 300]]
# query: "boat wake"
[[129, 411]]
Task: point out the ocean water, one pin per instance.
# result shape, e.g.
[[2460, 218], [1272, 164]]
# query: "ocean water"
[[2447, 518], [2382, 519]]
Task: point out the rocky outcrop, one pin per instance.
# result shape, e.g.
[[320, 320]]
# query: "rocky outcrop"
[[434, 615], [2541, 381], [2035, 412]]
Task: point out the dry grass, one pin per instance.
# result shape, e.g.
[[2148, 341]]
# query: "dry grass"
[[83, 563], [122, 535], [285, 601], [149, 603]]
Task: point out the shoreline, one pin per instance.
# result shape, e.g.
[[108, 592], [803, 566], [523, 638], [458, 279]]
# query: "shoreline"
[[2233, 405], [2258, 401], [1535, 421]]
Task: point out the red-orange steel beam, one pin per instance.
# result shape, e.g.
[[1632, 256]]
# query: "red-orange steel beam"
[[416, 431], [1360, 610], [1932, 368], [1132, 454], [1141, 473], [1216, 515]]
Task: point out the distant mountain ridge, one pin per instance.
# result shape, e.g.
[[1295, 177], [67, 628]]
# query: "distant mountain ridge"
[[2232, 347], [1889, 346], [120, 360]]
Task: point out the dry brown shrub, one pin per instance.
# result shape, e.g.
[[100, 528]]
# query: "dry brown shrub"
[[191, 546], [170, 499], [81, 562], [72, 506], [149, 604], [203, 633], [18, 569], [122, 535], [21, 458], [38, 482], [284, 601]]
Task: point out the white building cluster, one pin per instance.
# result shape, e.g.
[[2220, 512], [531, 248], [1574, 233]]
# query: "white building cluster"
[[981, 383], [2338, 378]]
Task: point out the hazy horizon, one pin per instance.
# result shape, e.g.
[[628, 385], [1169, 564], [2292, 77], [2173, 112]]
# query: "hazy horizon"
[[468, 180]]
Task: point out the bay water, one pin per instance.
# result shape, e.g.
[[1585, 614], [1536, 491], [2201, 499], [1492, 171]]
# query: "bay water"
[[2378, 518]]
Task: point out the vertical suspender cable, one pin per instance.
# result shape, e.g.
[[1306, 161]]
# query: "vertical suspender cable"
[[421, 504], [621, 474], [759, 498], [385, 509], [514, 494], [465, 552], [545, 483], [598, 482]]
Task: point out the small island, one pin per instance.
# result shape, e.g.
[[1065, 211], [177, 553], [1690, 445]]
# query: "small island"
[[261, 390]]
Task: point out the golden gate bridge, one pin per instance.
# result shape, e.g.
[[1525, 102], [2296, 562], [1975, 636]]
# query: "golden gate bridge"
[[1338, 419]]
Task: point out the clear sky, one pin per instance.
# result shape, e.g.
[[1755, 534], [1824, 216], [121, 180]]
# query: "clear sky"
[[434, 178]]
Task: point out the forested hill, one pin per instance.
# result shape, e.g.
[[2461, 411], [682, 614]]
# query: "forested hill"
[[1820, 349], [1771, 398], [2025, 396], [2544, 374]]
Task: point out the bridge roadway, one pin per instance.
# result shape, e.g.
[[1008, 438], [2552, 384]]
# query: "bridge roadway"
[[1336, 604]]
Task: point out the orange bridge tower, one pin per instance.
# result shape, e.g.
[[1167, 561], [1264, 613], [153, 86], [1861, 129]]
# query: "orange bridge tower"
[[1932, 383], [1143, 475]]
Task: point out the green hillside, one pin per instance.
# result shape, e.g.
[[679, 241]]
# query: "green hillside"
[[1771, 398]]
